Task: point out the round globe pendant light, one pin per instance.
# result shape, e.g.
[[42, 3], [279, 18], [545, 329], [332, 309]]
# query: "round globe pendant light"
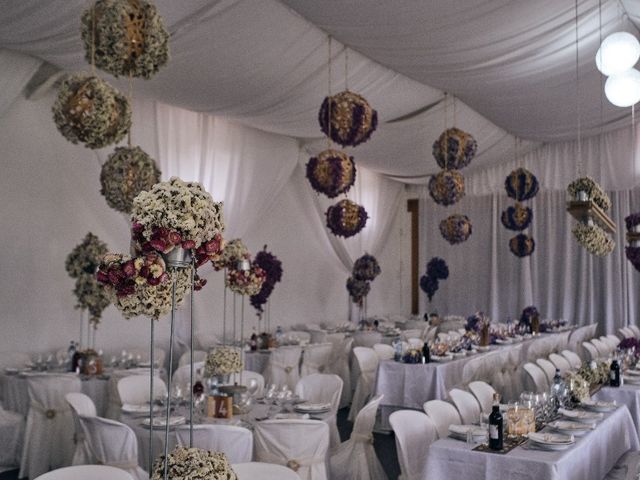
[[619, 52], [623, 90]]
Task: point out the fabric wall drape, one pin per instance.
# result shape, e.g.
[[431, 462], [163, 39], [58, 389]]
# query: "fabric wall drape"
[[16, 71], [560, 278]]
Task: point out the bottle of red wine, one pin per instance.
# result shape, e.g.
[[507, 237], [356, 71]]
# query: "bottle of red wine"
[[426, 353], [495, 425], [614, 373]]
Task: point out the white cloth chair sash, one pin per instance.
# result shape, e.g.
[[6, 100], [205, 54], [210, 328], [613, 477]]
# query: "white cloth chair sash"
[[316, 359], [283, 366], [319, 388], [367, 361], [80, 404]]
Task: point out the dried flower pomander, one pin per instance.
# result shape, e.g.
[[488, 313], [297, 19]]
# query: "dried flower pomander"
[[234, 251], [366, 268], [332, 172], [594, 239], [90, 111], [454, 149], [127, 172], [521, 185], [447, 187], [211, 250], [358, 289], [246, 282], [85, 257], [352, 118], [455, 228], [522, 245], [223, 361], [91, 296], [194, 464], [594, 191], [130, 37], [346, 218], [517, 218]]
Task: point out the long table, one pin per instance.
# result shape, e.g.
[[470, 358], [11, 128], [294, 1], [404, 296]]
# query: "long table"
[[590, 458]]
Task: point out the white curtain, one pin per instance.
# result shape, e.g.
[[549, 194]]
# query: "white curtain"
[[16, 71], [560, 277]]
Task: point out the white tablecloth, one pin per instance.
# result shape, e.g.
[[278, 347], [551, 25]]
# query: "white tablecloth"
[[591, 458], [628, 395]]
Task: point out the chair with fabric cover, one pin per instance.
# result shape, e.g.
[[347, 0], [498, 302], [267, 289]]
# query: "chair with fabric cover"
[[246, 378], [590, 351], [134, 390], [611, 345], [198, 356], [466, 404], [279, 441], [431, 334], [603, 348], [560, 362], [366, 338], [143, 353], [112, 443], [622, 333], [323, 388], [548, 368], [49, 418], [283, 366], [86, 472], [114, 403], [297, 336], [367, 362], [205, 340], [318, 336], [12, 426], [80, 404], [573, 358], [263, 471], [576, 337], [235, 442], [629, 332], [316, 359], [356, 458], [413, 333], [182, 375], [535, 380], [414, 433], [442, 414], [626, 468], [415, 343], [384, 351], [483, 393], [340, 364], [635, 330], [613, 340]]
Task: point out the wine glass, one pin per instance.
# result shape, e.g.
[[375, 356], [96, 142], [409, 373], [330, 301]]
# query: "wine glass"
[[252, 387]]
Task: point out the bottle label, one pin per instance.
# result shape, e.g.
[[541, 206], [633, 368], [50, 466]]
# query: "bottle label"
[[493, 432], [613, 375]]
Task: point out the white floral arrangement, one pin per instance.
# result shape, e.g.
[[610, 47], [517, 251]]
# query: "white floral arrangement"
[[593, 191], [175, 213], [594, 239], [578, 386], [194, 464], [223, 361], [234, 251]]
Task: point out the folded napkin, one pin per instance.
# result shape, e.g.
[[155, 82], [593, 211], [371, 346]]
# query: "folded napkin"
[[291, 416], [162, 421], [313, 406], [551, 438]]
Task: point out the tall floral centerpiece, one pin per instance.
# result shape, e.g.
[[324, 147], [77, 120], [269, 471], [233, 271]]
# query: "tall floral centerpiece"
[[480, 324], [193, 464], [365, 269], [222, 362], [437, 269]]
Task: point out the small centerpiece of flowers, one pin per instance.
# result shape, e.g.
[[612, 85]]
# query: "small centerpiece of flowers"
[[234, 251], [479, 323], [530, 319], [223, 361], [194, 464]]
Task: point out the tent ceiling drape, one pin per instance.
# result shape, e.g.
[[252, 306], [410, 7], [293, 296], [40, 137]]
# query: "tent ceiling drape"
[[511, 65]]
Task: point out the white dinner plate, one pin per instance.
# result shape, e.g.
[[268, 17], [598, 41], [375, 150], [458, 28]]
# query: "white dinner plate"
[[544, 438], [441, 358], [581, 416], [160, 422], [460, 354], [459, 432], [312, 407], [599, 406], [571, 428], [142, 409]]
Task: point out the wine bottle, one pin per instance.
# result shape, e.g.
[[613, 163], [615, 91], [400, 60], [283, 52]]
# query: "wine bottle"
[[614, 373], [495, 425], [426, 353]]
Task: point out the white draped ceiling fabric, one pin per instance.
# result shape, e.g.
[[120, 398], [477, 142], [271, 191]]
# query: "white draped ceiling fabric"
[[236, 109]]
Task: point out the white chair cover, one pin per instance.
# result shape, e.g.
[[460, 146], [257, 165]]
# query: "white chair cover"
[[245, 379], [415, 343], [283, 366], [114, 404], [590, 351], [442, 414], [467, 405], [356, 458], [321, 388], [205, 340], [279, 441], [635, 330], [366, 338], [134, 390], [431, 334], [49, 418], [80, 404], [603, 348], [318, 336], [613, 340], [340, 364], [484, 394], [573, 358], [413, 333], [560, 362], [235, 442], [626, 468], [182, 375], [628, 332], [11, 438], [263, 471], [298, 336], [198, 356], [414, 433], [113, 443], [384, 351], [535, 379], [86, 472], [548, 368], [578, 336], [624, 333], [316, 359], [367, 361]]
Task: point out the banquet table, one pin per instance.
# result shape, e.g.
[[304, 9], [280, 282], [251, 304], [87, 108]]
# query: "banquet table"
[[628, 395], [590, 458]]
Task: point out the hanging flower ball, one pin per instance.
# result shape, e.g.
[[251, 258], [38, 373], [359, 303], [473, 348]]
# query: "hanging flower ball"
[[517, 218], [366, 268], [127, 172], [454, 149], [352, 118], [91, 111], [522, 245], [125, 37], [346, 218], [246, 282], [438, 268], [358, 289], [456, 228], [332, 172], [594, 239], [521, 185], [592, 190], [447, 187]]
